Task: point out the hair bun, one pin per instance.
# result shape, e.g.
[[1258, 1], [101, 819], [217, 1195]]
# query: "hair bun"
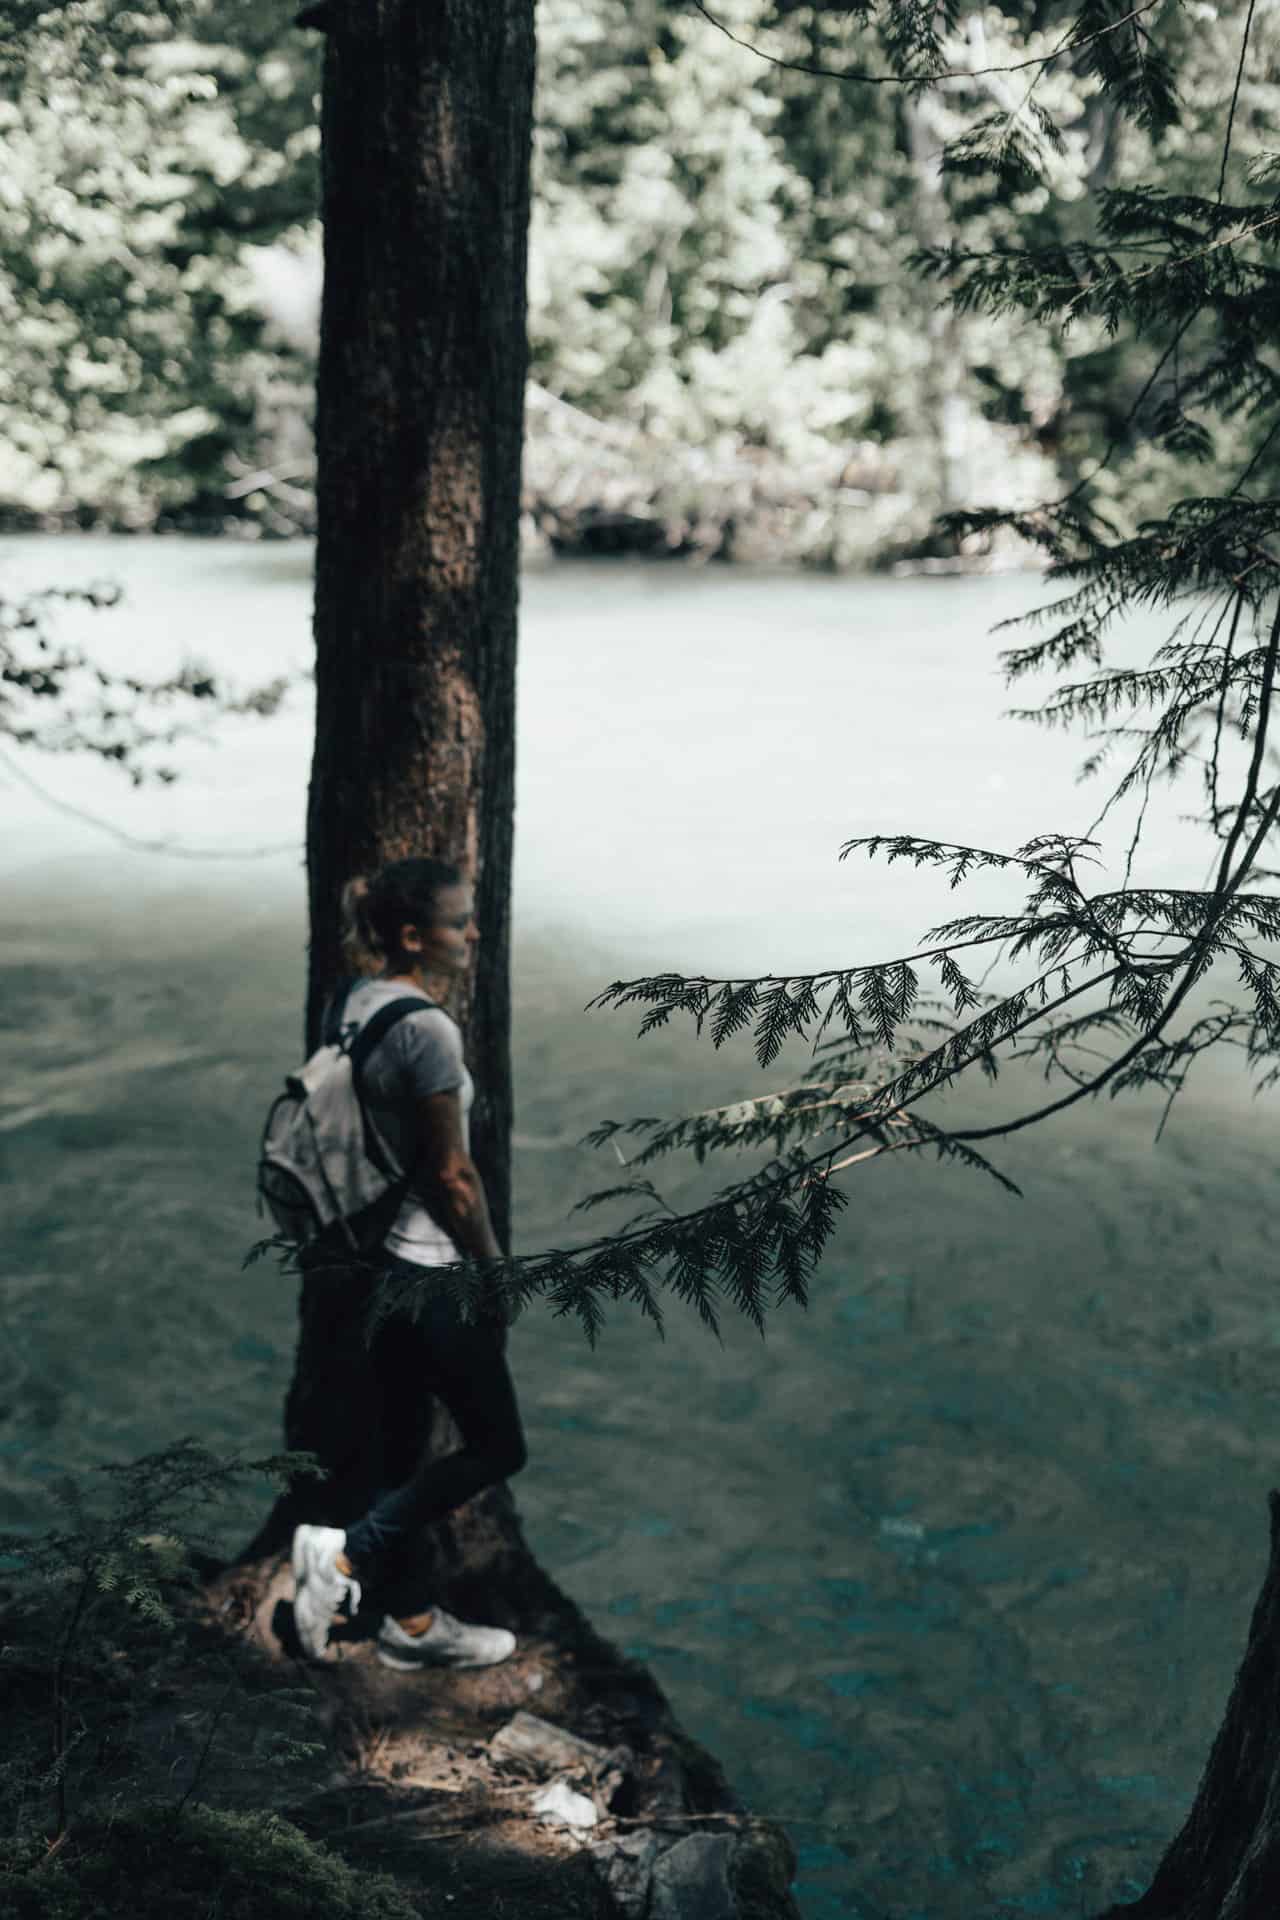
[[375, 907], [361, 947]]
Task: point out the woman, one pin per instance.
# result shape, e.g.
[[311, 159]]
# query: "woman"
[[419, 915]]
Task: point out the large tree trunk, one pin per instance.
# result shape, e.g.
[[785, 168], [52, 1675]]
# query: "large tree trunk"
[[426, 130], [426, 137], [1225, 1863]]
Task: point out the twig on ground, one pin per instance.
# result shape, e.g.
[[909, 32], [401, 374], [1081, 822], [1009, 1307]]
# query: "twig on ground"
[[56, 1845]]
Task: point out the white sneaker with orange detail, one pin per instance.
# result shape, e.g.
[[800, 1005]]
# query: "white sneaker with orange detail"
[[446, 1643]]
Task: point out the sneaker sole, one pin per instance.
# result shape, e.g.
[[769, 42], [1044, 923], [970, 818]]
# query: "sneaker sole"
[[399, 1665]]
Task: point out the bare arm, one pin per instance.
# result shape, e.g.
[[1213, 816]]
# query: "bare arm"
[[447, 1179]]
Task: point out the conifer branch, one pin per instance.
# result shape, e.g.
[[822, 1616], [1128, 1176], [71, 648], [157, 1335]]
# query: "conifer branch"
[[1113, 969], [1195, 957], [1114, 278], [133, 841], [819, 72], [1235, 96], [1224, 682], [60, 700]]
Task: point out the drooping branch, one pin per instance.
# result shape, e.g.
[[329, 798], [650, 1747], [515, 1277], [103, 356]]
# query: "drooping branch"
[[61, 699], [860, 77], [749, 1232]]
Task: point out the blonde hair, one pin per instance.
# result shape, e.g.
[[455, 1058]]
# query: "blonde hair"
[[374, 907], [360, 951]]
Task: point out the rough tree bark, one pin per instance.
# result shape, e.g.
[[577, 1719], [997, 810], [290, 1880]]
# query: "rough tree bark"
[[1225, 1863], [426, 136], [427, 126], [426, 132]]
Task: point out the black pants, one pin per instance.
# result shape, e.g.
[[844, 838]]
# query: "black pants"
[[463, 1365]]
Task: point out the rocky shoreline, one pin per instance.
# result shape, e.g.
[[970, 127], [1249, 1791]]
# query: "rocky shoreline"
[[605, 488]]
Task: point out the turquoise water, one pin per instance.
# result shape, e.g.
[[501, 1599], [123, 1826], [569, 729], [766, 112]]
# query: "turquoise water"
[[952, 1571]]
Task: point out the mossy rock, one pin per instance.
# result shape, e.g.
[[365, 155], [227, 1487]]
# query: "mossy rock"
[[152, 1862]]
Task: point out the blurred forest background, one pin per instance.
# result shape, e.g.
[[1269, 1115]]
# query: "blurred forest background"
[[731, 354]]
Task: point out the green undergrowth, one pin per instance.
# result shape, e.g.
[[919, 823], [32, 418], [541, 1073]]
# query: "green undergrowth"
[[162, 1786], [210, 1863], [193, 1864], [150, 1758], [191, 1792], [156, 1764]]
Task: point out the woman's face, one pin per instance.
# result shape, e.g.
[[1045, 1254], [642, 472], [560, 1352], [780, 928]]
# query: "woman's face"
[[444, 947]]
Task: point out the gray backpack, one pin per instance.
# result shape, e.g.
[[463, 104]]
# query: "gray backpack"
[[324, 1172]]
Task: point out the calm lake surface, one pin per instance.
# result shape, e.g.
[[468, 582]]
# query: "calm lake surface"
[[952, 1571]]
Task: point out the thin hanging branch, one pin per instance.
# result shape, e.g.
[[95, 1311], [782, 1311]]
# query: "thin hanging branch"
[[861, 78]]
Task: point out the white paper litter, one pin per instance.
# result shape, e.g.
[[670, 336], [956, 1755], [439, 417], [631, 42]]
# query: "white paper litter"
[[559, 1805]]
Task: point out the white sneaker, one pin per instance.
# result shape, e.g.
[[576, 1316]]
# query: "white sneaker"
[[320, 1585], [446, 1643]]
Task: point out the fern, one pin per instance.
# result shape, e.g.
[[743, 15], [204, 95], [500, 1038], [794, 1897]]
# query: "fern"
[[129, 1534]]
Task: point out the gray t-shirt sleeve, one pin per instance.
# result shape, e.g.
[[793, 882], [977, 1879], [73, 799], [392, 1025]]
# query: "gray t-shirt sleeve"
[[425, 1052]]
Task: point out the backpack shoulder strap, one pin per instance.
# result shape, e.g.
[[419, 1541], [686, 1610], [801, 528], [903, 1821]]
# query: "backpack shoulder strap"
[[373, 1030], [331, 1019], [379, 1024]]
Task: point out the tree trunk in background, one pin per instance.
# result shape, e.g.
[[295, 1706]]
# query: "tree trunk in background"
[[946, 375], [426, 139], [1225, 1863], [427, 128]]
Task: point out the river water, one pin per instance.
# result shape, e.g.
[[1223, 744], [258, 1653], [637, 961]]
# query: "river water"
[[953, 1570]]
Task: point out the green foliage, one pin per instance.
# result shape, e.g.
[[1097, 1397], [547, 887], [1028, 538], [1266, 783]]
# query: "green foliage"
[[123, 1528], [1135, 73], [144, 147], [1111, 969], [728, 234], [718, 271], [60, 699], [126, 1546], [738, 268], [200, 1863]]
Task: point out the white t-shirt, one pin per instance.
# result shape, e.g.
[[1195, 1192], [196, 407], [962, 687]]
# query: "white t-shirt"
[[422, 1054]]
